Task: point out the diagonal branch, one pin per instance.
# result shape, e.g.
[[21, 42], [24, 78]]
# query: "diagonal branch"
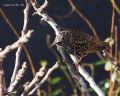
[[50, 70], [20, 42], [35, 80], [51, 22], [19, 76]]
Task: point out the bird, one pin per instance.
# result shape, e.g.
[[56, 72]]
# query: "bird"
[[79, 43]]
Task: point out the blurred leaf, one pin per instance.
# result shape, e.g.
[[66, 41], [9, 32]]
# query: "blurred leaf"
[[102, 83], [56, 92], [55, 80], [12, 93], [113, 77], [63, 67], [101, 62], [110, 40], [90, 89], [43, 62], [107, 85], [107, 66]]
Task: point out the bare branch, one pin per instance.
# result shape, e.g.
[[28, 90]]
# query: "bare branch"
[[88, 78], [20, 42], [17, 63], [50, 70], [17, 35], [35, 80], [18, 52], [44, 16], [18, 77], [73, 72], [50, 21], [26, 19], [1, 82]]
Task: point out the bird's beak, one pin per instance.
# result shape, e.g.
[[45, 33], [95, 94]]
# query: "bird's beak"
[[53, 44]]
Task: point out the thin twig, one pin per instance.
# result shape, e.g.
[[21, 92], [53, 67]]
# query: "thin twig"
[[116, 42], [45, 17], [1, 82], [116, 8], [83, 17], [17, 63], [111, 53]]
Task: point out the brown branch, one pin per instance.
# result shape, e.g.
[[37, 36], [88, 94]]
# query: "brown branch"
[[116, 42], [75, 9], [9, 23], [111, 53]]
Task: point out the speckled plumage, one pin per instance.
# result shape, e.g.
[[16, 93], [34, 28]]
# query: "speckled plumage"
[[79, 43]]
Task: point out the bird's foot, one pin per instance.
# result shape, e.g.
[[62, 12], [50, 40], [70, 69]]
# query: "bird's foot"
[[78, 62]]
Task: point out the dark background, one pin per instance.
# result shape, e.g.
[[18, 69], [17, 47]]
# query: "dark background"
[[99, 12]]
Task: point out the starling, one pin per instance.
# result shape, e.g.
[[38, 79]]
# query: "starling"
[[78, 43]]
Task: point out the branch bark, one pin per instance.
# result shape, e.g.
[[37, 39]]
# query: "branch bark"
[[51, 22], [50, 70]]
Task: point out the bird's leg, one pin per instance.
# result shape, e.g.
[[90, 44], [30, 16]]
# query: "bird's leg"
[[78, 61]]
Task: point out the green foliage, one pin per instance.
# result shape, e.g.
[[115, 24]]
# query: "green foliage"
[[115, 6], [13, 93], [100, 62], [110, 40], [56, 92], [104, 85], [43, 62], [107, 65], [55, 80]]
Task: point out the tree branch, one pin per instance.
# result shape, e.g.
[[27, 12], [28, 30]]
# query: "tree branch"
[[51, 22], [18, 77], [50, 70]]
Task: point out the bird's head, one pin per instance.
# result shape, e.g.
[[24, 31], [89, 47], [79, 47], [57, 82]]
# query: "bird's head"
[[58, 40]]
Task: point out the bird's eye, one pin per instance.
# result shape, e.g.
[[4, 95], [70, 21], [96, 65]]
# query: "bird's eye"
[[59, 43]]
